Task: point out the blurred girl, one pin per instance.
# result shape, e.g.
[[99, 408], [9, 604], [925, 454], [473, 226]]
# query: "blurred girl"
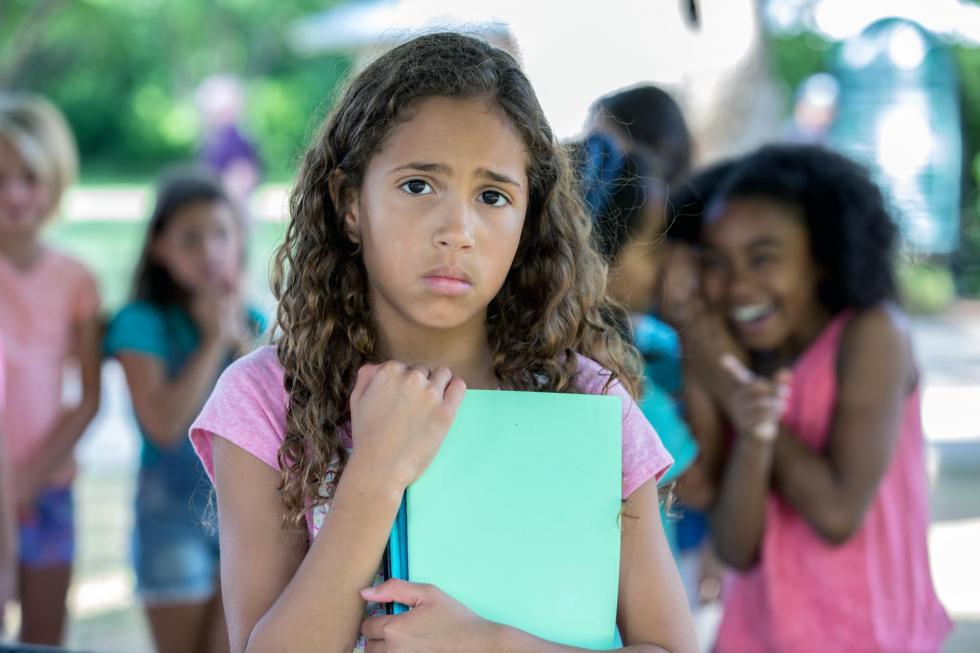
[[49, 308], [186, 323], [819, 490], [436, 243], [629, 232]]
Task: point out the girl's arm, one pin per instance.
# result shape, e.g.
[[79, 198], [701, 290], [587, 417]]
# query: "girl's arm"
[[71, 425], [278, 596], [277, 599], [164, 407], [8, 526], [653, 614], [737, 517], [832, 489], [731, 486]]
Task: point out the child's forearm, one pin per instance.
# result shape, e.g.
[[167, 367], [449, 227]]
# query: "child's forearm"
[[172, 408], [806, 480], [321, 608], [738, 516], [60, 442]]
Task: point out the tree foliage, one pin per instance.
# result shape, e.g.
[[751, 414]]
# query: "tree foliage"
[[125, 72]]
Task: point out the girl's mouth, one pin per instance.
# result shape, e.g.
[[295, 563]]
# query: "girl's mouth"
[[752, 315], [448, 286]]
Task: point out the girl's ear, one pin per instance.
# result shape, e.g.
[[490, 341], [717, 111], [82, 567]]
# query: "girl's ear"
[[344, 204]]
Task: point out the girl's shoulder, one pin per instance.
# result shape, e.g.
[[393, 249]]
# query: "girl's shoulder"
[[594, 379], [644, 455], [138, 326], [876, 334], [63, 268], [247, 407]]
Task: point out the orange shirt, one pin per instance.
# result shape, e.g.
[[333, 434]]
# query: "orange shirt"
[[40, 310]]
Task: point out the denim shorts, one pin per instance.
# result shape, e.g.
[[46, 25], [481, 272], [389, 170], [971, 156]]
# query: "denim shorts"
[[175, 552], [47, 534]]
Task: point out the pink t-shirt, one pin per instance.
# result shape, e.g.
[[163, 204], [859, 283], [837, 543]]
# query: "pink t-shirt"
[[248, 408], [3, 381], [40, 310], [873, 593]]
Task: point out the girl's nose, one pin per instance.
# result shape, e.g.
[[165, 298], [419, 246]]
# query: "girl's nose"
[[741, 287], [455, 229]]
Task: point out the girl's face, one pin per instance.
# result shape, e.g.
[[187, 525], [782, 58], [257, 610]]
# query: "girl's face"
[[440, 213], [758, 271], [200, 247], [25, 200], [633, 275]]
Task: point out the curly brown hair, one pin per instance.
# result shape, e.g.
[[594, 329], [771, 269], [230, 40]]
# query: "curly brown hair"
[[553, 302]]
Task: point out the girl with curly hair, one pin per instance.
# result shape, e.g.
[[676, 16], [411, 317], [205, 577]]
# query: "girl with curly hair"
[[813, 454], [436, 243]]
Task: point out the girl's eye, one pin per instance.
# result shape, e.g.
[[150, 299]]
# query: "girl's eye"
[[493, 198], [416, 187], [762, 259], [709, 262]]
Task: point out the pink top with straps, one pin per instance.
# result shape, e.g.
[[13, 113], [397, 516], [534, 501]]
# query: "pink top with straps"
[[872, 593]]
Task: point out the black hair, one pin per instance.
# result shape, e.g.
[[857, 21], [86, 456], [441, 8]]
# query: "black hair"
[[690, 199], [616, 189], [653, 121], [852, 234], [178, 188]]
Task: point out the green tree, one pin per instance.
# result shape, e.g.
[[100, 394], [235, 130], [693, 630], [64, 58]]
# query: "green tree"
[[124, 72]]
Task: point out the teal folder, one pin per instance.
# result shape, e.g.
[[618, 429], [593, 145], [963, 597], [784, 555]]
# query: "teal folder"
[[517, 516]]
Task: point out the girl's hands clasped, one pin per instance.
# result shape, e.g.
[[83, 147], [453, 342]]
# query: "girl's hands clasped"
[[758, 403], [436, 623], [400, 415]]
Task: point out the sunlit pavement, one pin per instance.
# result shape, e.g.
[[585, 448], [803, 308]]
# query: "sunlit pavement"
[[105, 618], [949, 348]]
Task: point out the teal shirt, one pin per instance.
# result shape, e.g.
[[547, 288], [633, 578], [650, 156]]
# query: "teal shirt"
[[168, 333], [660, 347]]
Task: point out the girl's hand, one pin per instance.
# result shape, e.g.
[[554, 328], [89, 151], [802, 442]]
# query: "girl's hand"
[[400, 415], [679, 297], [436, 623], [217, 312], [757, 404]]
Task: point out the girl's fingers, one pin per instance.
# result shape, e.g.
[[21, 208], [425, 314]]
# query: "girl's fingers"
[[420, 369], [398, 591], [364, 376], [440, 378], [766, 432], [374, 627], [455, 392], [730, 363], [784, 380]]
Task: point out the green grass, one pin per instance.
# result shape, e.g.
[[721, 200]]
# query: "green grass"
[[111, 249]]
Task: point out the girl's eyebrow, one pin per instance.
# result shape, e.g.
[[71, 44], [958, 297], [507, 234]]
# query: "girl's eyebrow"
[[438, 168], [497, 177], [764, 241], [443, 169]]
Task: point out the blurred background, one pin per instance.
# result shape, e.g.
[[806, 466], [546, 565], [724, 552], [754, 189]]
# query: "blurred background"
[[242, 85]]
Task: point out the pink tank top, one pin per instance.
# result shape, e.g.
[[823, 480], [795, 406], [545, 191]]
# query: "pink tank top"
[[872, 593]]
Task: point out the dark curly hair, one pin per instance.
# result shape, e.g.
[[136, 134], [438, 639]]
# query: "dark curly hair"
[[852, 235], [689, 202], [553, 302]]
